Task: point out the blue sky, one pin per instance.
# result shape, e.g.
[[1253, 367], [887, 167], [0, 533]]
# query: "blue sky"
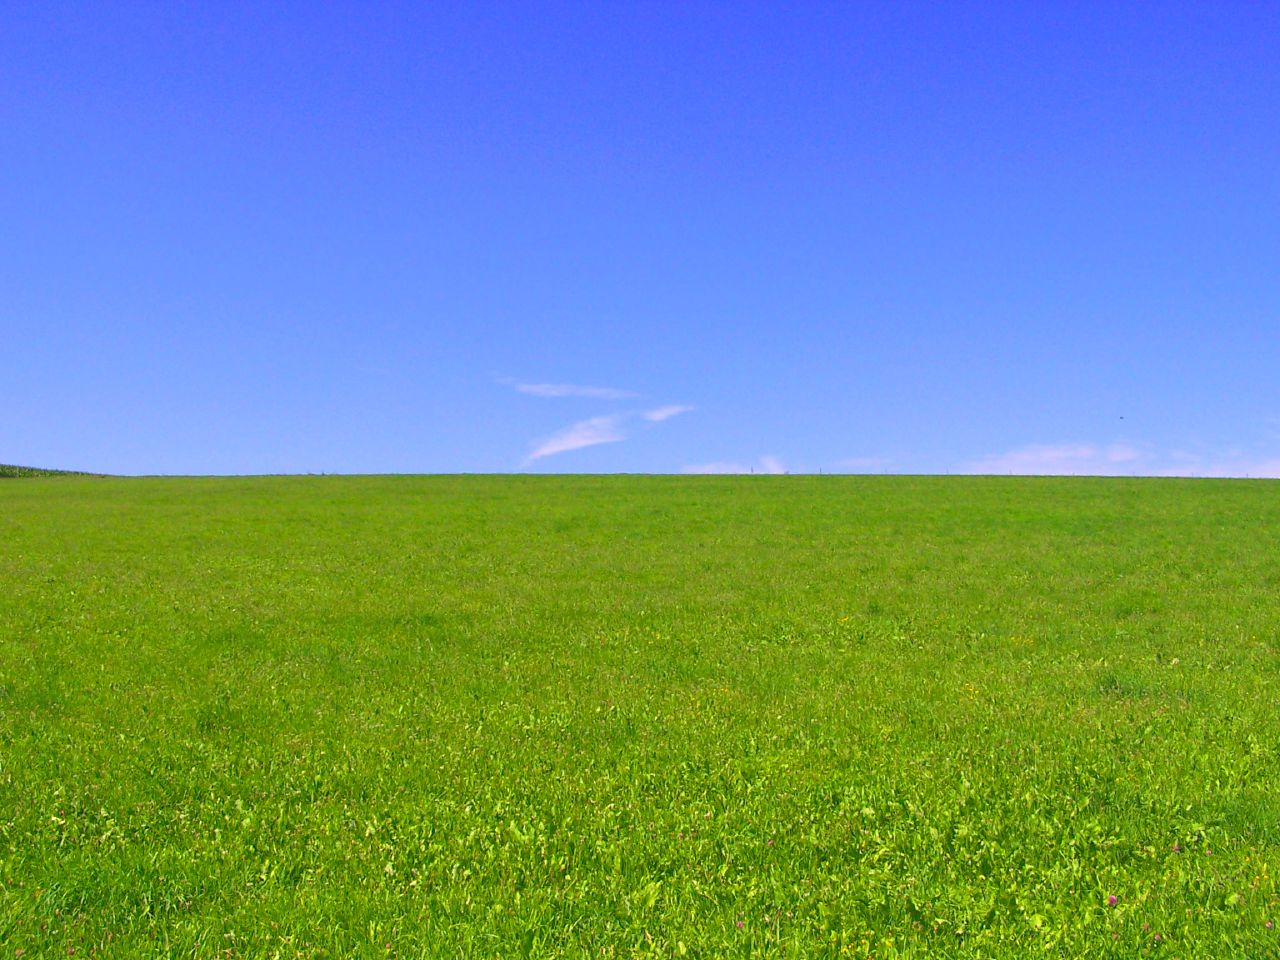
[[661, 237]]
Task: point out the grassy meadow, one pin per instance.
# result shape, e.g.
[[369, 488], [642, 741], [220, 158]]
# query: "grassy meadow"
[[639, 717]]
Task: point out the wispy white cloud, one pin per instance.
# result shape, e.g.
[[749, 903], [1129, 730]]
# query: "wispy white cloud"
[[862, 464], [571, 390], [609, 428], [1244, 467], [666, 413], [766, 464], [1122, 459], [584, 433], [718, 466], [1066, 459], [771, 464]]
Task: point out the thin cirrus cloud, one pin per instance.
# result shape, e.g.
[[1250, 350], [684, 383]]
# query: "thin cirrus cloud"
[[584, 433], [1232, 465], [572, 390], [862, 465], [659, 414], [766, 464], [610, 428], [1064, 459], [1122, 459]]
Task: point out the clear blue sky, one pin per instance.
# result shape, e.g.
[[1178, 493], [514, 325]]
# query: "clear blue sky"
[[1034, 237]]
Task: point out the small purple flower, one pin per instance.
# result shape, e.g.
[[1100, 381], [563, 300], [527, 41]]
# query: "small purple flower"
[[1177, 848], [739, 924], [1270, 925], [1112, 900]]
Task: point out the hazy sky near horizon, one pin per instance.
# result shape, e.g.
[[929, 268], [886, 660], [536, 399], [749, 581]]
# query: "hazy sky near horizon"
[[659, 237]]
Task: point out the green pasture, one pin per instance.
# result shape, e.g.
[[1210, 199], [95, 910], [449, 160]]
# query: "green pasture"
[[639, 717]]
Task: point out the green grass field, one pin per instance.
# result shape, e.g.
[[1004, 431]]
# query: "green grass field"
[[639, 716]]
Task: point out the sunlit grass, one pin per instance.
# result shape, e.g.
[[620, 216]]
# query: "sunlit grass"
[[625, 716]]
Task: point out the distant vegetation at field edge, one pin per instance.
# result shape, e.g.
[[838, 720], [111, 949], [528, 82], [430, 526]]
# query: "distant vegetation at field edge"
[[10, 470]]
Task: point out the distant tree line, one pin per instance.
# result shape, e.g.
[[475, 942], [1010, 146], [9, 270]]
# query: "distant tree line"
[[10, 470]]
